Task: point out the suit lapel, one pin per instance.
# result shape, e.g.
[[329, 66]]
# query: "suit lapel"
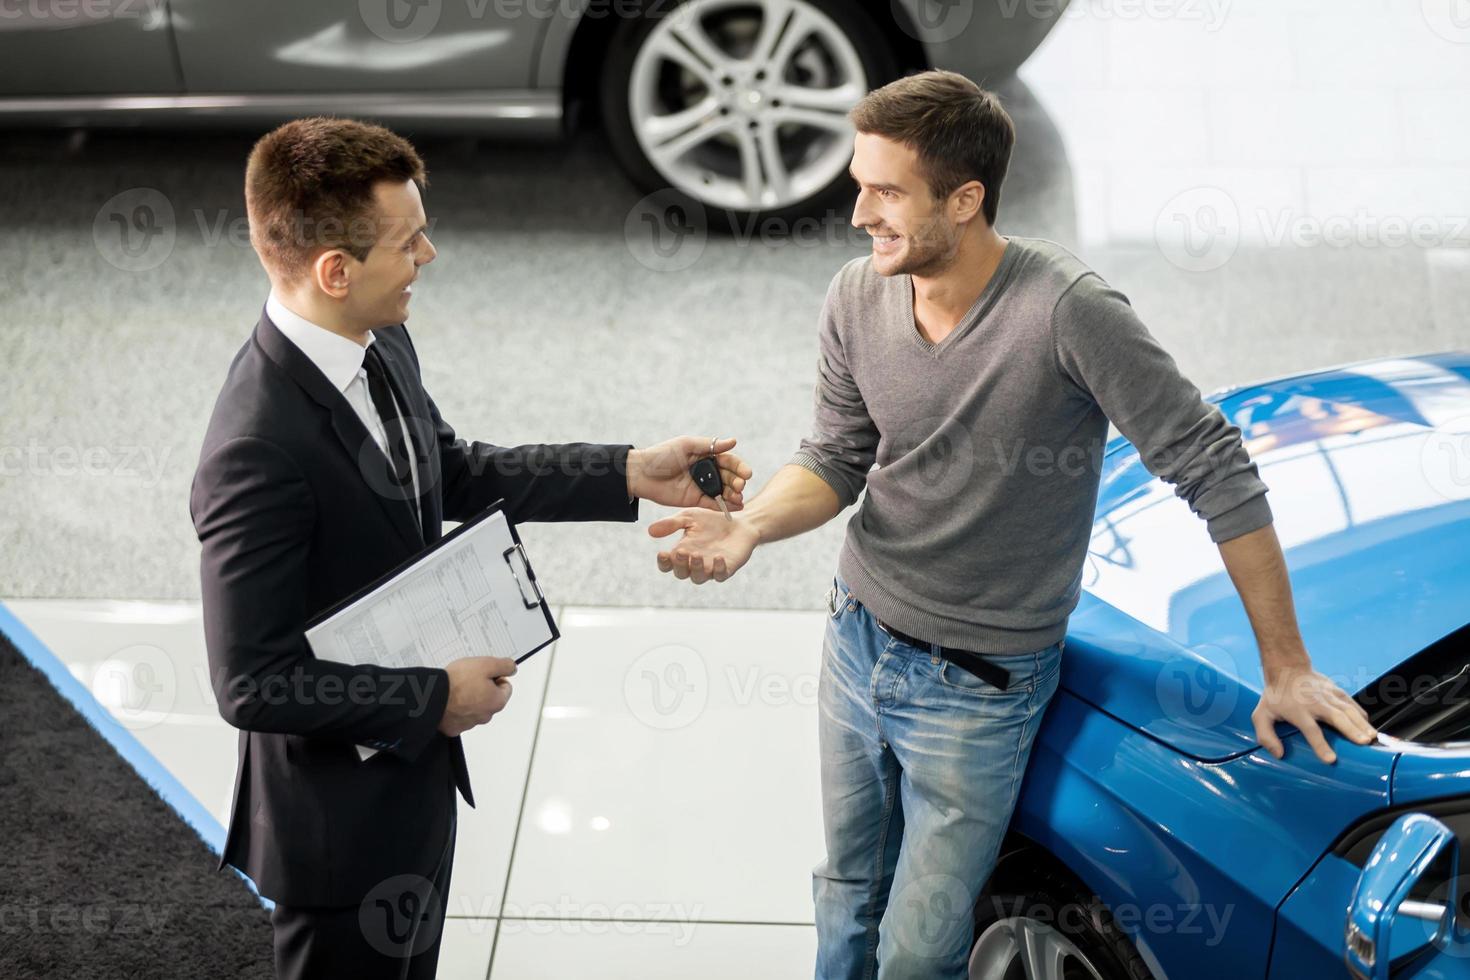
[[367, 459]]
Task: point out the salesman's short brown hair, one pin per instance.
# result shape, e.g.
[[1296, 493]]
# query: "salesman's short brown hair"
[[309, 186], [957, 129]]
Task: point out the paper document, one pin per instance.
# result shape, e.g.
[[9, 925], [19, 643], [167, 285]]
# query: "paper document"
[[471, 594]]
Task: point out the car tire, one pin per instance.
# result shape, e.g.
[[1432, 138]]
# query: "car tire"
[[652, 73], [1060, 919]]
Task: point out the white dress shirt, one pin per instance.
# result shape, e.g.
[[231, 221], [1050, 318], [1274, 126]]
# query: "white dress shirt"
[[340, 360]]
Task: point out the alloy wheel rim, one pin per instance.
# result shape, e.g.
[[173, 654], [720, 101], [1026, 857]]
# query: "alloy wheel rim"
[[743, 104], [1041, 952]]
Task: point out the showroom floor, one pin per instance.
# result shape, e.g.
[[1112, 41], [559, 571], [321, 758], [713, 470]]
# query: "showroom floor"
[[1277, 185]]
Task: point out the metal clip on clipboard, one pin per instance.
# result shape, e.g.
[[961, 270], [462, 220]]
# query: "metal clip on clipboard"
[[530, 575]]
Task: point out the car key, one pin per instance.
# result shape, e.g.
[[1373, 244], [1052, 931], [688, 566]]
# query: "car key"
[[706, 474]]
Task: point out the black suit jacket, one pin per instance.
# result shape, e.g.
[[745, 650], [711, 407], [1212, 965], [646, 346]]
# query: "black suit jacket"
[[294, 514]]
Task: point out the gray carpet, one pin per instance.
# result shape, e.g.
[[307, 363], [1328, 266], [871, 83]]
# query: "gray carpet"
[[99, 878], [536, 323]]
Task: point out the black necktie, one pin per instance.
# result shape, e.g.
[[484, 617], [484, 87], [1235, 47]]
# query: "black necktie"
[[400, 442]]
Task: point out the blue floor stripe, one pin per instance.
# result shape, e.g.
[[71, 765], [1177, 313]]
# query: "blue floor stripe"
[[164, 783]]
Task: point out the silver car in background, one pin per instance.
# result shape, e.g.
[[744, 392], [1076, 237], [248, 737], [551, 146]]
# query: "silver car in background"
[[738, 104]]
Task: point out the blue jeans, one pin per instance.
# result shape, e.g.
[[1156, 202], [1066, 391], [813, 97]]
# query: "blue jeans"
[[921, 766]]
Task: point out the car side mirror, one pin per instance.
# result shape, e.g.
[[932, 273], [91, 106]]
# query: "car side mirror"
[[1417, 856]]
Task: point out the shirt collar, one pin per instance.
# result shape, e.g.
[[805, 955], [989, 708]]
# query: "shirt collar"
[[335, 356]]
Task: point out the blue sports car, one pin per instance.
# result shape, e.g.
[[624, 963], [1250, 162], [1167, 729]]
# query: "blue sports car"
[[1154, 836]]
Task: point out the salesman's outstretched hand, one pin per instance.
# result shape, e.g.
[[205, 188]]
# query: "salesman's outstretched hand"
[[661, 473], [711, 548]]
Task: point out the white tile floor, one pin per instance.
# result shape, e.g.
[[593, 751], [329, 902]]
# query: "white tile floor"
[[648, 805]]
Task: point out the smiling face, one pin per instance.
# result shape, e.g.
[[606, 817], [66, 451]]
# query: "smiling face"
[[337, 220], [380, 284], [913, 232]]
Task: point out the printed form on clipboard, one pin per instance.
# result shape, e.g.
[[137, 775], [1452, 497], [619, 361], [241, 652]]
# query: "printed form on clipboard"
[[472, 593]]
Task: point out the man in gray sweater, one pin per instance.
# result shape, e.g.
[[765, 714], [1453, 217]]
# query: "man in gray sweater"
[[979, 373]]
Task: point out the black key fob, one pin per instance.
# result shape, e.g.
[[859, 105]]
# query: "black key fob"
[[706, 474]]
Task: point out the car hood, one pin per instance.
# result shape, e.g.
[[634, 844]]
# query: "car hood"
[[1368, 467]]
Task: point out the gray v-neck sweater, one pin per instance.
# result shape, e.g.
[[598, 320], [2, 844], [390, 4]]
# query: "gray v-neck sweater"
[[989, 444]]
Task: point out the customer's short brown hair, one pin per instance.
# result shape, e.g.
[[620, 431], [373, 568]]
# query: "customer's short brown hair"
[[309, 185], [958, 130]]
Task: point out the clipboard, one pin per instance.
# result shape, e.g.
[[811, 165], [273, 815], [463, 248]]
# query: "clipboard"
[[367, 629]]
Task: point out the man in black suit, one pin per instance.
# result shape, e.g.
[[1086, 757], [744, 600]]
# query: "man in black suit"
[[326, 464]]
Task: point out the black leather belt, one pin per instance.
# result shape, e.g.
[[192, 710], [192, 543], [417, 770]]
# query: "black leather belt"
[[975, 663]]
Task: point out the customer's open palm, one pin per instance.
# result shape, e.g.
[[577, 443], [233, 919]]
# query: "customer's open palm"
[[712, 547]]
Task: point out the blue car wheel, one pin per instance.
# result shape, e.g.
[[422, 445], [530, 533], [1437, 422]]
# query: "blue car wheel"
[[1038, 926]]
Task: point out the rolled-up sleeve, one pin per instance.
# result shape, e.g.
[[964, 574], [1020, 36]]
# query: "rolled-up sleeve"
[[1104, 348], [844, 440]]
